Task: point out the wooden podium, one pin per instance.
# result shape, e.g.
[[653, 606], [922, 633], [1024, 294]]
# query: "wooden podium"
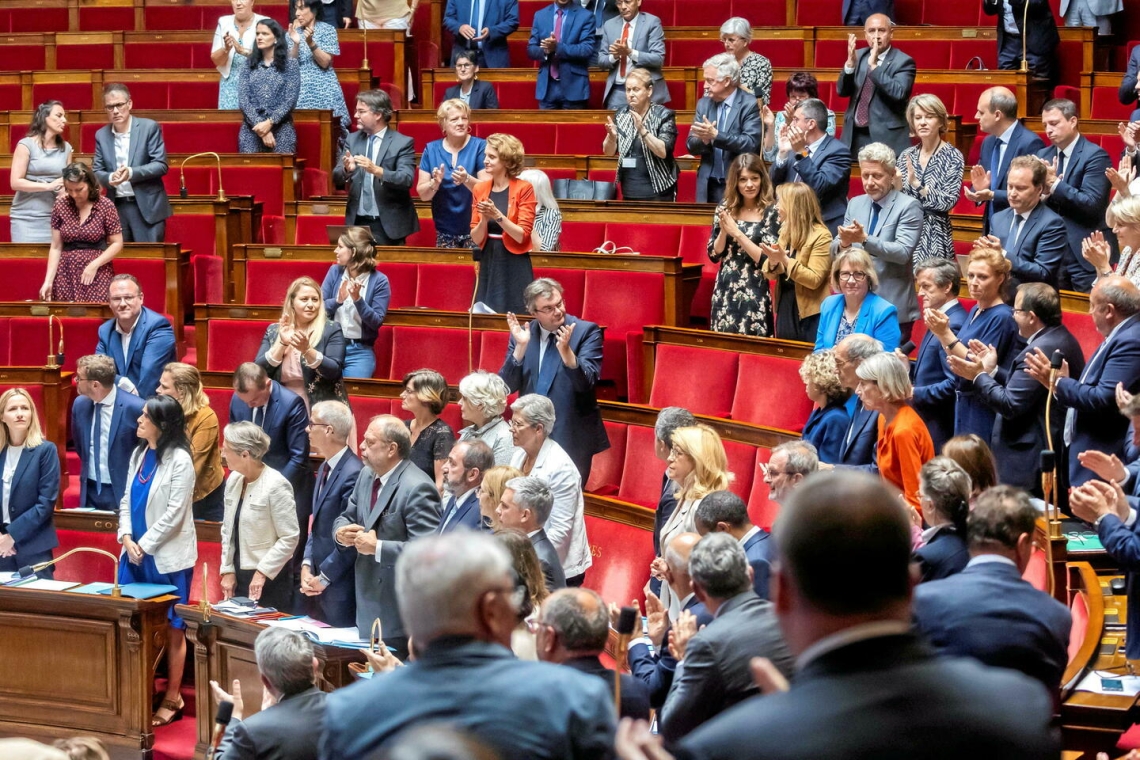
[[80, 664], [223, 650]]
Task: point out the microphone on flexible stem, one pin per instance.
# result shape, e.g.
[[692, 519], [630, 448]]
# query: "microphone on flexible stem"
[[221, 720], [625, 625], [907, 347], [1055, 363], [182, 191]]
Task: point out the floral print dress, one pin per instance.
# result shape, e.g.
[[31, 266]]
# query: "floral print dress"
[[742, 300], [320, 88]]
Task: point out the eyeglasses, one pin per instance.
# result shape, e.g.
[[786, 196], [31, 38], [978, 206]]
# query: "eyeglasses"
[[112, 107], [124, 299], [560, 306], [76, 379], [464, 65], [773, 473], [517, 424], [853, 276], [313, 424]]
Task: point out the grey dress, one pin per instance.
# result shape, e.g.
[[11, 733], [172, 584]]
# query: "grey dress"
[[31, 212]]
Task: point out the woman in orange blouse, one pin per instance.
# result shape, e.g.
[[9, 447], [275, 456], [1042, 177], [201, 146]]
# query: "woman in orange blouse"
[[904, 442], [502, 217]]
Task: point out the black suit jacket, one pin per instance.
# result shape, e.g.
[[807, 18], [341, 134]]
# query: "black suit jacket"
[[934, 383], [945, 554], [285, 422], [656, 669], [741, 134], [290, 730], [31, 501], [336, 605], [1041, 246], [397, 156], [827, 172], [548, 559], [1022, 142], [482, 95], [1043, 38], [893, 80], [888, 698], [634, 693], [1019, 400], [859, 448], [1081, 198]]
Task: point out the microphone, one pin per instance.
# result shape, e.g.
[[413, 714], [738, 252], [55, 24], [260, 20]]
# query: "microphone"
[[221, 720], [1055, 362], [625, 625], [182, 192], [907, 347]]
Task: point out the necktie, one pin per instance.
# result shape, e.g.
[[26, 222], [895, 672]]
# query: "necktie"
[[322, 478], [447, 515], [851, 427], [257, 416], [1015, 231], [863, 105], [477, 16], [624, 59], [995, 162], [97, 436], [375, 493], [368, 191], [548, 367], [875, 209], [1060, 163], [557, 38], [718, 154]]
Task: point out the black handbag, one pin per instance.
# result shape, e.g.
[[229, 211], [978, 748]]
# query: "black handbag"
[[584, 190]]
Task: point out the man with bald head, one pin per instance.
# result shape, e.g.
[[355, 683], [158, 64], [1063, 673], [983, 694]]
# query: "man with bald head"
[[1006, 139], [878, 81], [1092, 420]]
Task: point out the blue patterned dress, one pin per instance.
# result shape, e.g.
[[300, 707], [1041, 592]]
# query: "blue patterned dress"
[[266, 93], [320, 88], [231, 70]]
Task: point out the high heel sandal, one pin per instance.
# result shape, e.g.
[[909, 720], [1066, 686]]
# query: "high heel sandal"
[[176, 709]]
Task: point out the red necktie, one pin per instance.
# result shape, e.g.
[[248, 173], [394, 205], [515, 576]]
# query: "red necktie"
[[375, 493], [624, 59], [863, 105], [557, 38]]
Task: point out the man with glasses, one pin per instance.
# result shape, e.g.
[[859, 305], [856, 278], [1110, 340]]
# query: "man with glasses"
[[140, 340], [725, 125], [863, 433], [475, 92], [808, 154], [104, 421], [130, 161], [559, 356]]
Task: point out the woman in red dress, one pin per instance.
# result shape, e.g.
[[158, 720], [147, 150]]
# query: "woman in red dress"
[[85, 237]]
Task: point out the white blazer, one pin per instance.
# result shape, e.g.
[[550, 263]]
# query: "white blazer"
[[566, 526], [268, 532], [170, 536]]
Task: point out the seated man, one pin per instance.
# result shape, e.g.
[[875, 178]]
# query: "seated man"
[[525, 505], [988, 611], [573, 627], [140, 341], [725, 512]]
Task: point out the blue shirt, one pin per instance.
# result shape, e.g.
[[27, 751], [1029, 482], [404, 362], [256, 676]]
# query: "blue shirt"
[[451, 204]]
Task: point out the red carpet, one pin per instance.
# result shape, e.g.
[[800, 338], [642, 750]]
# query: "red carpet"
[[176, 740]]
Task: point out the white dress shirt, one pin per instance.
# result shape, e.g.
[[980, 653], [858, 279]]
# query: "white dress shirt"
[[123, 157], [11, 459], [103, 473]]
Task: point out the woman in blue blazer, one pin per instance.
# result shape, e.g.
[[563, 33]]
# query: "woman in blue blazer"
[[356, 297], [855, 308], [826, 426], [30, 469]]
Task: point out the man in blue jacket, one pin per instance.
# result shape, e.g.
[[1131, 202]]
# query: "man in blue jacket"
[[104, 421], [725, 512], [562, 40], [481, 27], [141, 341]]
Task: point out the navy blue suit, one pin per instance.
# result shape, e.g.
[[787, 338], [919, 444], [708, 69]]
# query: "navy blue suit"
[[934, 384], [862, 438], [31, 501], [656, 669], [500, 18], [827, 172], [989, 612], [826, 428], [945, 554], [336, 605], [1019, 400], [1099, 424], [482, 95], [122, 440], [1081, 198], [372, 306], [578, 424], [152, 348], [634, 693], [1022, 142], [758, 549], [573, 56], [856, 12], [1123, 546], [467, 515], [1040, 248]]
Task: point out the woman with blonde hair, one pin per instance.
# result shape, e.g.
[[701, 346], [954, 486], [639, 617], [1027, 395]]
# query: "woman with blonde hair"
[[356, 297], [183, 383], [491, 490], [826, 426], [1123, 216], [502, 220], [799, 262], [27, 502], [449, 168], [931, 173], [304, 351], [548, 217], [425, 396]]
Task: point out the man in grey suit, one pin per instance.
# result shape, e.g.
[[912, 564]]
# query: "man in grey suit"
[[878, 81], [393, 503], [632, 40], [715, 673], [378, 166], [886, 224], [525, 505], [130, 161], [727, 123]]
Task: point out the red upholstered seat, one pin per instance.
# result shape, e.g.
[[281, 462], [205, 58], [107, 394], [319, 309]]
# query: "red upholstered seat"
[[267, 281], [941, 13], [908, 12], [207, 278], [194, 232], [313, 229], [86, 567], [22, 279], [663, 9], [220, 403], [11, 98], [516, 49], [23, 58], [621, 554], [818, 13], [761, 508], [573, 282], [641, 475], [157, 55], [209, 556], [440, 348], [691, 52], [606, 472], [579, 139], [1037, 571], [421, 132], [673, 379], [151, 95], [151, 274], [198, 180], [582, 236], [1079, 610], [742, 465], [105, 18], [493, 349], [445, 286], [527, 9], [647, 239], [194, 137], [5, 341], [693, 248], [769, 392], [1105, 105], [174, 17], [76, 95], [364, 408], [963, 51], [783, 53], [41, 20], [231, 342], [265, 183], [759, 14], [687, 187], [29, 349], [829, 54], [607, 302], [928, 54], [517, 95], [1083, 329], [402, 278], [314, 182], [536, 138], [966, 95], [383, 352]]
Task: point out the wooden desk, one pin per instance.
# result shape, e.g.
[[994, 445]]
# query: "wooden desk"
[[75, 664], [223, 651]]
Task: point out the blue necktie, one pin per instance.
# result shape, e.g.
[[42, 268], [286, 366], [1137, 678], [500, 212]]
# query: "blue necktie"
[[450, 513], [875, 209], [548, 368], [98, 435], [718, 154], [995, 163]]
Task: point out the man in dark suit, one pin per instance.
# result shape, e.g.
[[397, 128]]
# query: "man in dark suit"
[[808, 154], [988, 611], [934, 386], [1019, 400], [481, 28], [856, 12], [1005, 140], [1130, 84], [480, 93], [877, 81], [602, 11], [863, 433], [727, 123], [327, 575], [140, 341], [632, 40], [393, 503], [562, 40], [1075, 187], [567, 376], [1028, 233], [861, 672], [525, 505], [456, 592], [573, 628], [289, 729], [725, 512], [379, 166], [715, 673], [1041, 44], [463, 474], [788, 466], [103, 424], [1092, 420], [130, 161]]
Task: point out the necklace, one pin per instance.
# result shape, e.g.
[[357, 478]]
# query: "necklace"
[[146, 478]]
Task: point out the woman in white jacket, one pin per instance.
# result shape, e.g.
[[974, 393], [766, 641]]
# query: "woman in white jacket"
[[260, 529], [156, 526]]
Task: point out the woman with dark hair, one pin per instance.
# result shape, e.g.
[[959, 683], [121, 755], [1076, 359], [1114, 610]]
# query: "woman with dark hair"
[[268, 91], [183, 383], [425, 396], [356, 297], [85, 237], [36, 177], [502, 219], [642, 135], [745, 221], [944, 496], [799, 87], [973, 455], [156, 526], [30, 469], [314, 44]]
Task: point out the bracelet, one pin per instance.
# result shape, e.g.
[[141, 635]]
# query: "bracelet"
[[951, 346]]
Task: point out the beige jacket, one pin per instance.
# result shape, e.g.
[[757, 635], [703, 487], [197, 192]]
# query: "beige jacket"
[[810, 270], [268, 530]]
